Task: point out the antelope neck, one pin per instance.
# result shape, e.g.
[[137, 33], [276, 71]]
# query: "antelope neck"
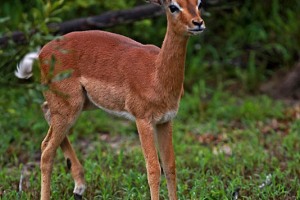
[[170, 62]]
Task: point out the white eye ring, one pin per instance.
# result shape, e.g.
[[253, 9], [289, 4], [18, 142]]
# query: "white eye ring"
[[175, 7]]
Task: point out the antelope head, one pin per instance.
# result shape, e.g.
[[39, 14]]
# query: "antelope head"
[[184, 16]]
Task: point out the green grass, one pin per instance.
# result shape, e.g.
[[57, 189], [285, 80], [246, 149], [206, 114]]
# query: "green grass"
[[222, 142]]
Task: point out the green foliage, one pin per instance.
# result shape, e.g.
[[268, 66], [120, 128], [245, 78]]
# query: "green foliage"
[[204, 103], [245, 43]]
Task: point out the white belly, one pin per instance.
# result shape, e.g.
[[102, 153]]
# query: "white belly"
[[123, 114], [168, 116]]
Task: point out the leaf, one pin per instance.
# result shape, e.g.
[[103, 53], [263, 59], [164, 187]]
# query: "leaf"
[[62, 75], [52, 65], [57, 4], [54, 20], [59, 93], [4, 19], [47, 8]]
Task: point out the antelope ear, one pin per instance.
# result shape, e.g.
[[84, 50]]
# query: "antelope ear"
[[157, 2]]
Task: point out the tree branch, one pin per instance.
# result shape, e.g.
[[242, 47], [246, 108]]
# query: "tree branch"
[[105, 20]]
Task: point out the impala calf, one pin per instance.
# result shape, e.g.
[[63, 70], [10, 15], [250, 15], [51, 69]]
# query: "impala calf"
[[125, 78]]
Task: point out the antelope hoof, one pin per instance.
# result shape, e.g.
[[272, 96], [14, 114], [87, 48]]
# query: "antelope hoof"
[[77, 196], [78, 191]]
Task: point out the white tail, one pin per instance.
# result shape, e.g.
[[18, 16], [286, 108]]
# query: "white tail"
[[24, 68], [123, 77]]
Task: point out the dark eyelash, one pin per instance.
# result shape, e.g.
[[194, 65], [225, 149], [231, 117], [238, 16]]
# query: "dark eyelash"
[[200, 6]]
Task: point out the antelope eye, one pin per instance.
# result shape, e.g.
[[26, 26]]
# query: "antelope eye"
[[173, 8], [200, 5]]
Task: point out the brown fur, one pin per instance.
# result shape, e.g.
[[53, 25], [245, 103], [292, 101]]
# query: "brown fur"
[[118, 74]]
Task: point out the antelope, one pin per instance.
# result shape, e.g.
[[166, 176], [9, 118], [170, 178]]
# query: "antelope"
[[140, 82]]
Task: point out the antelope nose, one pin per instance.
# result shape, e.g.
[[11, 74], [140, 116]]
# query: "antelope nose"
[[197, 22]]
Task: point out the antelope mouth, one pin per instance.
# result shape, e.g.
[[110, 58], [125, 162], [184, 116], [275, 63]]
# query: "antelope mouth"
[[196, 31]]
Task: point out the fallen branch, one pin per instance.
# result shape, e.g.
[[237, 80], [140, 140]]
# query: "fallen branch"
[[108, 19], [105, 20]]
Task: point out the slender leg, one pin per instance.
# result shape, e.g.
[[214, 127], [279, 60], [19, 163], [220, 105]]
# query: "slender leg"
[[146, 133], [166, 151], [72, 161], [64, 112], [50, 144], [45, 170], [75, 167]]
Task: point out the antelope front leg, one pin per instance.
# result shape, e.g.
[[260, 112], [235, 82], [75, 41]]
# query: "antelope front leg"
[[146, 133], [75, 167], [166, 151]]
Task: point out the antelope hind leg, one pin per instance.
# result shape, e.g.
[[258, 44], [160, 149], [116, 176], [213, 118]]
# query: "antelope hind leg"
[[75, 167]]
